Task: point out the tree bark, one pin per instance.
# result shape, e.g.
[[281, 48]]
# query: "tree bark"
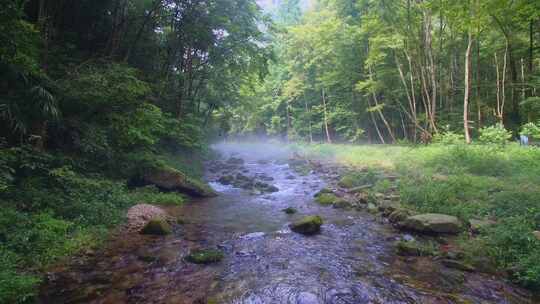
[[328, 138], [467, 88]]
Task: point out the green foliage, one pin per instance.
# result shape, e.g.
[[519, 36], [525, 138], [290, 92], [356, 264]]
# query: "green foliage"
[[449, 138], [530, 129], [467, 181], [15, 287], [514, 247], [496, 135], [355, 179], [151, 195]]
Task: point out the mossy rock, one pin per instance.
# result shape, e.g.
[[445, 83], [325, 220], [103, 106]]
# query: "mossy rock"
[[459, 265], [324, 191], [169, 179], [341, 204], [398, 215], [357, 179], [157, 227], [348, 181], [226, 179], [432, 223], [412, 248], [205, 256], [289, 210], [326, 199], [308, 225]]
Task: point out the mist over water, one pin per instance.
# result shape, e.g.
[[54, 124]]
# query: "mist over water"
[[255, 150]]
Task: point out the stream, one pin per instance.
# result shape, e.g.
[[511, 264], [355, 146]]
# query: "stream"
[[352, 260]]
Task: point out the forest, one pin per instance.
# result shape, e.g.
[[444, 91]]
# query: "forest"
[[96, 96]]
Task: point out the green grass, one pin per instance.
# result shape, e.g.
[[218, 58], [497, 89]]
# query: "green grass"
[[475, 181], [52, 209]]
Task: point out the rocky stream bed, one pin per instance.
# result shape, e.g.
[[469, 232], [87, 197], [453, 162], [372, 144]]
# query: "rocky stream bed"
[[261, 241]]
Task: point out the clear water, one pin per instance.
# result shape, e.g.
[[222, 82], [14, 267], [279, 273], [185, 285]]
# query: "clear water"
[[351, 261]]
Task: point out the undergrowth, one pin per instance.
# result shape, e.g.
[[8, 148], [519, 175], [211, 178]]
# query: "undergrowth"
[[475, 181]]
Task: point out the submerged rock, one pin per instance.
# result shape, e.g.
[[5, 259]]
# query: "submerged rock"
[[157, 227], [432, 223], [289, 210], [307, 298], [308, 225], [205, 256], [235, 161]]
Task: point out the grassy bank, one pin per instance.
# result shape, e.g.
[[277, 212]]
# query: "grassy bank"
[[470, 182], [53, 207]]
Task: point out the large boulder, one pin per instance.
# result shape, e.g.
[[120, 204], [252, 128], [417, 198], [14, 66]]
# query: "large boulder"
[[170, 179], [432, 223], [308, 225]]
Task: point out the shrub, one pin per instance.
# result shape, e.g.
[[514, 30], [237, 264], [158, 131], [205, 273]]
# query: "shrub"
[[496, 134], [152, 195], [449, 138], [514, 247], [15, 287], [530, 129]]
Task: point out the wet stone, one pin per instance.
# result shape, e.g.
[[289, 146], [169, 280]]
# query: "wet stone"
[[307, 298], [205, 256], [157, 227], [309, 225]]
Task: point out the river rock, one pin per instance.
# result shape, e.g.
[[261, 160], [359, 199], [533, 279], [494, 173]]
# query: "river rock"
[[323, 191], [450, 263], [477, 225], [412, 248], [360, 189], [536, 235], [341, 204], [170, 179], [398, 215], [226, 179], [326, 198], [432, 223], [289, 210], [205, 256], [235, 161], [157, 227], [308, 225]]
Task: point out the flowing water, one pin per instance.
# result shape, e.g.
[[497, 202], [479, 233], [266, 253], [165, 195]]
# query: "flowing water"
[[352, 260]]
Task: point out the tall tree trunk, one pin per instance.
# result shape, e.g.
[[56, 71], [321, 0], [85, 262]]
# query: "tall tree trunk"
[[308, 112], [467, 88], [381, 115], [155, 6], [328, 138]]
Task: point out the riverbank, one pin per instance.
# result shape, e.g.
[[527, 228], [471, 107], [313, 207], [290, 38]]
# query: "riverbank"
[[494, 192], [55, 209], [264, 251]]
